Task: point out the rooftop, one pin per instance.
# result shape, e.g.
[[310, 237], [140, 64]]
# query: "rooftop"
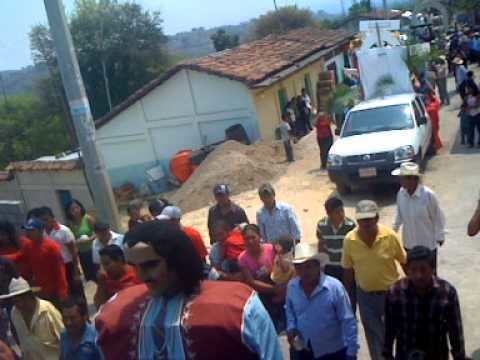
[[254, 62], [65, 162]]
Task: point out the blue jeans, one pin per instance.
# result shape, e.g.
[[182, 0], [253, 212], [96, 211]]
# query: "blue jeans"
[[372, 312]]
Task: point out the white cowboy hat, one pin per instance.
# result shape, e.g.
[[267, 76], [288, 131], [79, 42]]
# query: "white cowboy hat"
[[457, 61], [305, 252], [407, 169], [18, 286]]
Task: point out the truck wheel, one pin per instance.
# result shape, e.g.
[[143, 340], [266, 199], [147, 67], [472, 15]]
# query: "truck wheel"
[[343, 189], [422, 162]]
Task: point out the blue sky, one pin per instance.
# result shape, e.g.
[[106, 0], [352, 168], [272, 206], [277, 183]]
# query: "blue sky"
[[18, 16]]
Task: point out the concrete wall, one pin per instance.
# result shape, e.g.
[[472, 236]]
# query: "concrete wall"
[[340, 62], [40, 188], [188, 111], [267, 100]]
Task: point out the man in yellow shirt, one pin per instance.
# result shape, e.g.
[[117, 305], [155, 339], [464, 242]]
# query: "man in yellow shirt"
[[372, 255], [37, 322]]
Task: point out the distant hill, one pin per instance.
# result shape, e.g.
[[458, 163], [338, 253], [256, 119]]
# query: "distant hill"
[[20, 82], [197, 42]]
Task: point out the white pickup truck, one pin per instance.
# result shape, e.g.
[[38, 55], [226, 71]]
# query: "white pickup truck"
[[376, 137]]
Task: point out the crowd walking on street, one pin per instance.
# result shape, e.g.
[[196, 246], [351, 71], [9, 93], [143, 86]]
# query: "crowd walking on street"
[[162, 291]]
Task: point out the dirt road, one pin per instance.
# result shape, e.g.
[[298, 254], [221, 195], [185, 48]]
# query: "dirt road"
[[453, 174]]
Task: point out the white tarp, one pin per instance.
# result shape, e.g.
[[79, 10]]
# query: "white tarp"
[[383, 72], [371, 25]]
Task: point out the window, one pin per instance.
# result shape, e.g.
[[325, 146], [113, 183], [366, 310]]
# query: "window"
[[282, 99], [418, 112], [64, 197], [387, 118]]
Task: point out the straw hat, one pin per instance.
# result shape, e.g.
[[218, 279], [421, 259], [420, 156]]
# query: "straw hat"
[[305, 252], [407, 169], [18, 286], [457, 61]]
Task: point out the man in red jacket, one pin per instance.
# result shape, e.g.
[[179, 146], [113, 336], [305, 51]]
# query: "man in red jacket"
[[43, 261]]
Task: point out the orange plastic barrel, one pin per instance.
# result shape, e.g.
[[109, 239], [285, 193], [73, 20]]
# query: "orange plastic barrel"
[[181, 165]]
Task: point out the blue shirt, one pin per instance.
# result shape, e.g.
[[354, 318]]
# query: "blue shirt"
[[325, 320], [258, 331], [281, 221], [86, 350]]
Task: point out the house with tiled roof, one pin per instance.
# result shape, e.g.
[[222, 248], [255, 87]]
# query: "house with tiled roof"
[[193, 104], [47, 181]]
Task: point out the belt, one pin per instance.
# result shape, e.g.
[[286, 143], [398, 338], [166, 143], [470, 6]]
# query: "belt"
[[373, 292]]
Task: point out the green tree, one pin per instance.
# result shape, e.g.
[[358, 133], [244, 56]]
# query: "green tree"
[[29, 130], [359, 8], [221, 40], [465, 5], [120, 47], [282, 20]]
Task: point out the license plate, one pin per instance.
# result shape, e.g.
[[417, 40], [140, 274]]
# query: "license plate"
[[367, 172]]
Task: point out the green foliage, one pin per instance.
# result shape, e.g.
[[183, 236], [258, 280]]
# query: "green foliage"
[[28, 130], [118, 43], [359, 8], [340, 97], [221, 40], [283, 20], [467, 5]]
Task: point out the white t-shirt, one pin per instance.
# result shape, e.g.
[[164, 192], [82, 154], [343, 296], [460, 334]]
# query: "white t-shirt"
[[116, 239], [63, 236]]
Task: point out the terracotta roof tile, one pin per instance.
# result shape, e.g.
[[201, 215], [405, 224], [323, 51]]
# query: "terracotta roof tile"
[[250, 63], [36, 165]]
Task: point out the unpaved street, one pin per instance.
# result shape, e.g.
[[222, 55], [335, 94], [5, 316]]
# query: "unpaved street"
[[453, 174]]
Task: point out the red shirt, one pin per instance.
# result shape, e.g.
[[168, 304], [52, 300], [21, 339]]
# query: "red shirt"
[[45, 268], [112, 286], [233, 245], [196, 240], [15, 255], [323, 127]]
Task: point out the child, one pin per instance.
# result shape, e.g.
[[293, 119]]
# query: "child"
[[134, 209], [283, 269], [285, 136]]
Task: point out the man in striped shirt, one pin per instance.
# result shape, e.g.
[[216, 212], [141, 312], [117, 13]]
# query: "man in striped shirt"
[[331, 231]]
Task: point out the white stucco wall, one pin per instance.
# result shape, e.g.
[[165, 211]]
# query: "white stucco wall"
[[41, 188], [188, 111], [340, 62]]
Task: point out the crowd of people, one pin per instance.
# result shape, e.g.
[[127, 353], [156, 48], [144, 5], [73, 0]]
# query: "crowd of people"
[[162, 294]]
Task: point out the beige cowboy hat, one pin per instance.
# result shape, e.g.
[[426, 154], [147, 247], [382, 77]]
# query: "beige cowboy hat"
[[457, 61], [18, 286], [407, 169], [305, 252]]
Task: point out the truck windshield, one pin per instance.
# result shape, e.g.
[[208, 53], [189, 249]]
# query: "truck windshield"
[[387, 118]]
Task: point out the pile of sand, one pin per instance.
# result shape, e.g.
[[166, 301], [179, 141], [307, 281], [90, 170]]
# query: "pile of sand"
[[242, 167]]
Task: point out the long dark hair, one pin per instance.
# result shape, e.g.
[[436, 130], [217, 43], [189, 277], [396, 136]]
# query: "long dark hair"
[[69, 205], [8, 229], [175, 247]]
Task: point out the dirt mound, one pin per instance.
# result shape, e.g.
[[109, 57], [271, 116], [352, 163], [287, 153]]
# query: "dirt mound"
[[242, 167]]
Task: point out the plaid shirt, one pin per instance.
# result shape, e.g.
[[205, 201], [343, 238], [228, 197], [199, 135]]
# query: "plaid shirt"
[[421, 324]]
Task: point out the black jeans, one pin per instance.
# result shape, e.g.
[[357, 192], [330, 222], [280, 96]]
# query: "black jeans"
[[288, 150], [308, 355], [473, 123], [324, 145]]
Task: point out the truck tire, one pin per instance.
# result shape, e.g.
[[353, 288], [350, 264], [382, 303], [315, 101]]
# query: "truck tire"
[[343, 189]]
